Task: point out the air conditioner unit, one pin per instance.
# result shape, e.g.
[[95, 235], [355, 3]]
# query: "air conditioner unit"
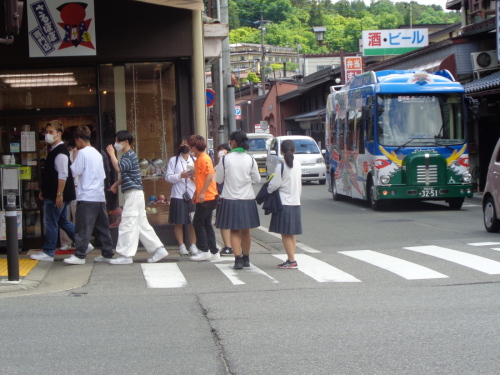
[[484, 60]]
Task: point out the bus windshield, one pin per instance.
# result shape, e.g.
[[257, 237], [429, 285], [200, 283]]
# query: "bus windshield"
[[420, 120]]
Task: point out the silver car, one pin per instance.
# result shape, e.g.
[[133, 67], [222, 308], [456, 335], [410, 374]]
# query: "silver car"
[[491, 196], [307, 153]]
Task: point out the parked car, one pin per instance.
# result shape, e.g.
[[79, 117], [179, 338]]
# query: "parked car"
[[259, 145], [307, 153], [491, 196]]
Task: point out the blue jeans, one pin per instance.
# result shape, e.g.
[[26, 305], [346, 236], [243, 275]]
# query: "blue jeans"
[[55, 218]]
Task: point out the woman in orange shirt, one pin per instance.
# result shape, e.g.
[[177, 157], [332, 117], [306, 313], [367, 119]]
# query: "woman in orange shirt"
[[205, 198]]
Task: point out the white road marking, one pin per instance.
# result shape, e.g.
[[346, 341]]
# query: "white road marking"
[[319, 270], [403, 268], [234, 275], [300, 245], [475, 262], [484, 243], [163, 275]]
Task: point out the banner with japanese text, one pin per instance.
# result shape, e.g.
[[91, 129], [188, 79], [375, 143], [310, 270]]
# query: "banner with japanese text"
[[393, 42], [353, 66], [61, 28]]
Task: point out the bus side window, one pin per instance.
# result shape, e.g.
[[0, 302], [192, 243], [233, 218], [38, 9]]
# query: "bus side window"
[[367, 119]]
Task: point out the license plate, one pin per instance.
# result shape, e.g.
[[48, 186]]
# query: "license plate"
[[262, 170], [429, 193], [306, 171]]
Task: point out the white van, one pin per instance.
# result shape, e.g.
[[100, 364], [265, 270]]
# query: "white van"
[[307, 153], [259, 144]]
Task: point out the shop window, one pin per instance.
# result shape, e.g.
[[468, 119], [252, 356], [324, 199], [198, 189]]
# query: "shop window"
[[47, 88]]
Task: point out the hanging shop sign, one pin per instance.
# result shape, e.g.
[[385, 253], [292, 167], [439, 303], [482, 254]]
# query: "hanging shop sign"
[[393, 42], [61, 28]]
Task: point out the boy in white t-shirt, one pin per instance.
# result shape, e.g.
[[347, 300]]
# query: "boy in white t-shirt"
[[91, 213]]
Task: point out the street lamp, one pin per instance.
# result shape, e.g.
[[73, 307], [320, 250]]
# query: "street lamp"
[[248, 117], [320, 31]]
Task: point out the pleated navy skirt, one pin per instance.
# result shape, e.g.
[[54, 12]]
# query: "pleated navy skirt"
[[286, 221], [237, 214], [179, 211]]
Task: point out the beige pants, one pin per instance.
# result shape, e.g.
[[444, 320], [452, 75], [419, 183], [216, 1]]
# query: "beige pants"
[[134, 226]]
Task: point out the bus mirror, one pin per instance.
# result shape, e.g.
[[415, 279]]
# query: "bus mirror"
[[272, 152]]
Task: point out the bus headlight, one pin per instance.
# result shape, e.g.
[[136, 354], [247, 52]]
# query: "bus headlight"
[[320, 160], [384, 179], [467, 177]]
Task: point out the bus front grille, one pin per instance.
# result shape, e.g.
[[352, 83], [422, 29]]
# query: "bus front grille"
[[427, 174]]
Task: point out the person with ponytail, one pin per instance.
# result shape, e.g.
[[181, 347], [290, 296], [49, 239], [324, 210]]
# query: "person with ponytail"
[[287, 221], [181, 177], [238, 209]]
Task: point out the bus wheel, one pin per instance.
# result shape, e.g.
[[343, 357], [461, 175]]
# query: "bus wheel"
[[374, 204], [336, 196], [456, 203], [491, 222]]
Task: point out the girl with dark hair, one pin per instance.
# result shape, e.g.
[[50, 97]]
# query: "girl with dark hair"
[[227, 250], [180, 174], [287, 221], [238, 209]]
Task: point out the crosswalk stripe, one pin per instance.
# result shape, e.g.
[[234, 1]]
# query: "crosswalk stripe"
[[319, 270], [475, 262], [403, 268], [163, 275], [307, 249], [484, 243], [234, 275]]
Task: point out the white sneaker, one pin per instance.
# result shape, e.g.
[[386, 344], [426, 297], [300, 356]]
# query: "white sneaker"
[[101, 259], [215, 256], [122, 260], [159, 254], [193, 249], [42, 256], [66, 247], [74, 260], [89, 248], [201, 256], [183, 250]]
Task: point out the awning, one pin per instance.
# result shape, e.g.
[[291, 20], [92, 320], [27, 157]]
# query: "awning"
[[185, 4], [314, 115], [482, 84]]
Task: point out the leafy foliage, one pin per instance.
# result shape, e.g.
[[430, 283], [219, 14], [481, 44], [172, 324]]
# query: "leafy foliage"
[[289, 23]]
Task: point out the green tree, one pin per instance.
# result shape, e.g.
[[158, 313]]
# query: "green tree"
[[252, 77]]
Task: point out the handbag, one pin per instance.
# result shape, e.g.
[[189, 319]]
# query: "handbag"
[[186, 196]]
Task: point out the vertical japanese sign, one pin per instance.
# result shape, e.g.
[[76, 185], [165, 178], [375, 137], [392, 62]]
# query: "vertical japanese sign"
[[237, 112], [352, 67], [61, 28], [393, 42]]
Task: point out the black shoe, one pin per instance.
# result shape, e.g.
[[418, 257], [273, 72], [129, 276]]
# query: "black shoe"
[[238, 263], [245, 259], [226, 251]]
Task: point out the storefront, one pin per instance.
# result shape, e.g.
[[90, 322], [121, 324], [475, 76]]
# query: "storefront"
[[110, 65]]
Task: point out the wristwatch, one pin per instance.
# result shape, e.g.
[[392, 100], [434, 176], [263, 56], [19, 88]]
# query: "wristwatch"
[[59, 194]]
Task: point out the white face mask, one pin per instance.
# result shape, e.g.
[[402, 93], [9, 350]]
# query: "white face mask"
[[222, 153], [49, 138], [118, 146]]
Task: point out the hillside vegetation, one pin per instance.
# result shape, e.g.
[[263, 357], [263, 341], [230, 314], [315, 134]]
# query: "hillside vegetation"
[[291, 21]]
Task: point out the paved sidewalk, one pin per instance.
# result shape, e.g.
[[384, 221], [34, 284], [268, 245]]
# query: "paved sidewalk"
[[48, 277]]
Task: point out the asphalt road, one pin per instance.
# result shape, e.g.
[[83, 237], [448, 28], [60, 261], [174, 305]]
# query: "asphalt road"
[[368, 300]]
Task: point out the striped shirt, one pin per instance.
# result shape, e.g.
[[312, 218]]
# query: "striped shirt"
[[129, 168]]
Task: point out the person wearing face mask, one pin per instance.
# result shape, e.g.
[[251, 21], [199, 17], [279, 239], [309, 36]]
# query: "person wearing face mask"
[[227, 250], [134, 225], [180, 175], [58, 190]]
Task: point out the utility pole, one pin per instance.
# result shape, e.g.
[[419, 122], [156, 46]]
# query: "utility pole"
[[262, 28], [229, 120]]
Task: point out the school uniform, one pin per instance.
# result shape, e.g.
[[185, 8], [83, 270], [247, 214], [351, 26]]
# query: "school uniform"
[[180, 209], [238, 209], [289, 184]]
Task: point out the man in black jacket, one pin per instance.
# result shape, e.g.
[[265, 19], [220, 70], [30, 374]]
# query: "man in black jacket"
[[58, 190]]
